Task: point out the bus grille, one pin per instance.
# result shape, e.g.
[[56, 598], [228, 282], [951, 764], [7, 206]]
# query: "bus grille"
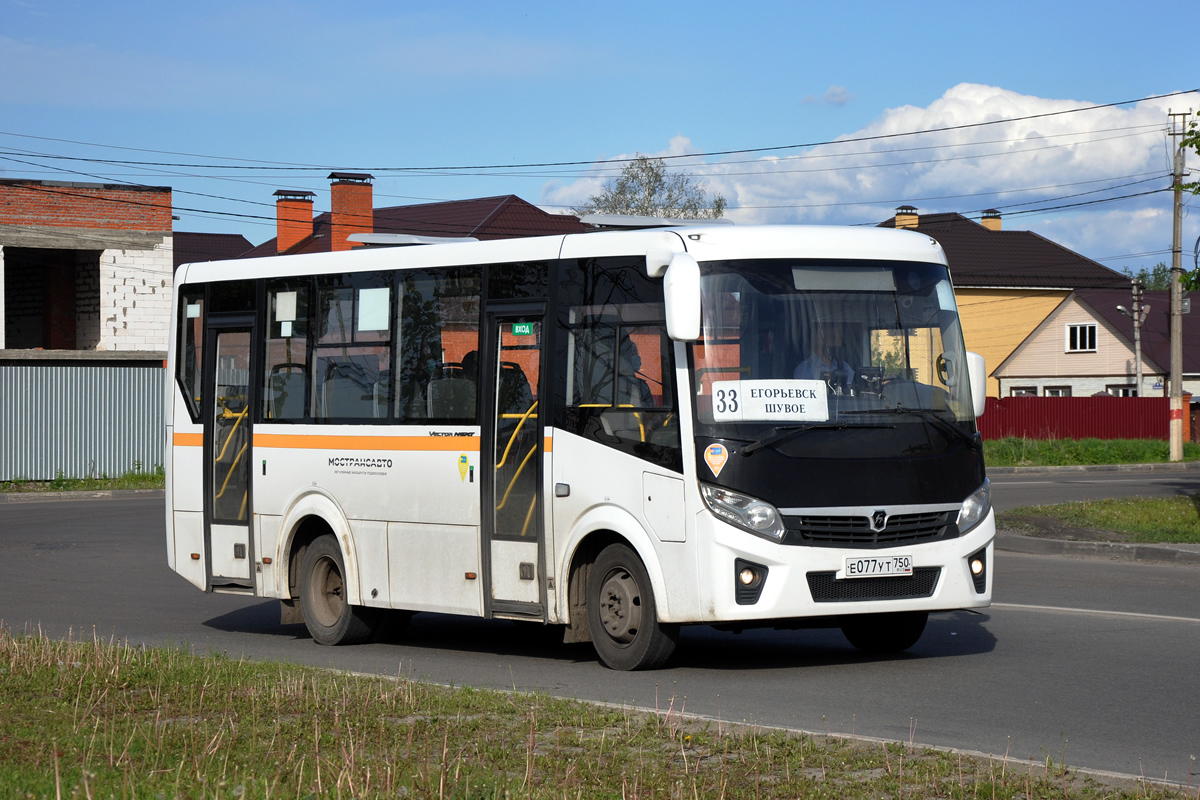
[[901, 529], [826, 588]]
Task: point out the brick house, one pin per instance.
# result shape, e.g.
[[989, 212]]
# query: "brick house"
[[84, 266], [1006, 283], [353, 212]]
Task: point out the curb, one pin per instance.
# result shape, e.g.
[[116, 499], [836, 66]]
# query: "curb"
[[1172, 466], [102, 494], [1119, 551]]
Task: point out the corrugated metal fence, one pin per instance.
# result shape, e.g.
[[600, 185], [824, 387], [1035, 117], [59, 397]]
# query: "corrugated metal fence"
[[1078, 418], [83, 419]]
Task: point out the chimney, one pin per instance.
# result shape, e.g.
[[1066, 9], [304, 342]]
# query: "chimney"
[[991, 219], [353, 207], [293, 218], [906, 217]]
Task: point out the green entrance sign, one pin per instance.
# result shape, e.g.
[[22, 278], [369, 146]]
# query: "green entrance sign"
[[522, 329]]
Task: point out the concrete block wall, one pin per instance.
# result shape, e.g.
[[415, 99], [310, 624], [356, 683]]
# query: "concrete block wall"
[[135, 298]]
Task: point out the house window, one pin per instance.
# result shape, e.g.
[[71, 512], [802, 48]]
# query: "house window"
[[1023, 391], [1122, 390], [1081, 338], [1058, 391]]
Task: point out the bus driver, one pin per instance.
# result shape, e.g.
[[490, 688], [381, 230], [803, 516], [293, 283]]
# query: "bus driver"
[[823, 360]]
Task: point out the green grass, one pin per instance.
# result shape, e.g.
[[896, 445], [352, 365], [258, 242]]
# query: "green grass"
[[1018, 452], [94, 719], [1010, 452], [1138, 519], [137, 478]]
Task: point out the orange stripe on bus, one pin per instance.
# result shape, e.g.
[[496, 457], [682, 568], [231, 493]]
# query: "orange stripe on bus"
[[188, 439], [548, 444], [319, 442]]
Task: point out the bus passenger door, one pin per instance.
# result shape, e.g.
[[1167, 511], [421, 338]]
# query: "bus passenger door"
[[512, 502], [228, 544]]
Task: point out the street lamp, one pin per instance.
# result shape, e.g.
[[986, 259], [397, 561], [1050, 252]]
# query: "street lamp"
[[1138, 315]]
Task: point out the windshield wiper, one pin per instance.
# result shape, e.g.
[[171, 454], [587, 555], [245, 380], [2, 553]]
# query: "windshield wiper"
[[777, 435], [972, 439]]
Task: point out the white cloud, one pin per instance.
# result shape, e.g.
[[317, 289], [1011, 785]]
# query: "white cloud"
[[1059, 160], [835, 96]]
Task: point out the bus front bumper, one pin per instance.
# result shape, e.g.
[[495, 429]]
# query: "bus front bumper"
[[748, 578]]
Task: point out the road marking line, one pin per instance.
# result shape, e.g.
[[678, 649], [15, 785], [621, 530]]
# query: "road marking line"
[[1097, 612], [1075, 481]]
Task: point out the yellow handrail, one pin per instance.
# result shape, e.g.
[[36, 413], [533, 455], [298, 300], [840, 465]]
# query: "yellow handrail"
[[227, 414], [528, 515], [516, 475], [229, 474], [516, 430]]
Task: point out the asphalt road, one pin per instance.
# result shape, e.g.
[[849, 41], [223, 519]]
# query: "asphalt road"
[[1034, 488], [1094, 659]]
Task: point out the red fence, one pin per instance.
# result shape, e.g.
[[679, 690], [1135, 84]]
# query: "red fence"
[[1080, 418]]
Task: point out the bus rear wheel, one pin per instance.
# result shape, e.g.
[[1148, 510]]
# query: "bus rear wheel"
[[328, 615], [622, 614], [881, 634]]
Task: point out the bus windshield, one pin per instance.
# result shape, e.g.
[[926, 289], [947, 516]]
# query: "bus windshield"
[[792, 344]]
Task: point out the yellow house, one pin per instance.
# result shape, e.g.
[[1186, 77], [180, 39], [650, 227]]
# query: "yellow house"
[[1006, 282]]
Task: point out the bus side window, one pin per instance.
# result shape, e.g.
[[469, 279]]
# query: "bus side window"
[[351, 375], [286, 363], [616, 361], [437, 352], [189, 343]]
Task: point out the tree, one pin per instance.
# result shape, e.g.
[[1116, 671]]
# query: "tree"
[[1191, 140], [1156, 280], [645, 188]]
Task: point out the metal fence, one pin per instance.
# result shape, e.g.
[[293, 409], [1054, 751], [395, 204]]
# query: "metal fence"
[[80, 418], [1078, 418]]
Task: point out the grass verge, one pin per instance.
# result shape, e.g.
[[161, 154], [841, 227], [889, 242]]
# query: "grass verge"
[[1019, 452], [1010, 452], [95, 719], [1137, 519], [136, 478]]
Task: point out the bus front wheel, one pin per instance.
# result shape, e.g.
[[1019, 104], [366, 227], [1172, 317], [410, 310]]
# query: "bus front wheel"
[[622, 615], [329, 616], [881, 634]]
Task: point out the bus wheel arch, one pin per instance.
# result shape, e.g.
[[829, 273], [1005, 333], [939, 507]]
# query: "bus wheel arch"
[[309, 516], [582, 558]]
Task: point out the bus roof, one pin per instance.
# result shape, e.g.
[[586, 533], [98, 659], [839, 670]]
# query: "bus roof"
[[705, 242]]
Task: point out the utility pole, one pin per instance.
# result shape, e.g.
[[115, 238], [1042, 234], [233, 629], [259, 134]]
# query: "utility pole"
[[1178, 127]]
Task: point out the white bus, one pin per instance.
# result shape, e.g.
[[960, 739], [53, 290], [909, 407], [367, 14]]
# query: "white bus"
[[618, 432]]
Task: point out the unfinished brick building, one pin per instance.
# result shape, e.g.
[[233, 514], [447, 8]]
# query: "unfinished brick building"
[[84, 266]]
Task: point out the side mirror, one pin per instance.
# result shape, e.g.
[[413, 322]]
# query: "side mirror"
[[681, 289], [977, 370]]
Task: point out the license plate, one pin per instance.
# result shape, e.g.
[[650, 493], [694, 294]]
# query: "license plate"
[[870, 566]]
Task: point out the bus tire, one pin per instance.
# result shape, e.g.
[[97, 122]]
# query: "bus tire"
[[882, 634], [329, 618], [622, 614]]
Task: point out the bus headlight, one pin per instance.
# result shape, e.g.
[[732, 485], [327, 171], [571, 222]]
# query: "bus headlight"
[[975, 508], [748, 513]]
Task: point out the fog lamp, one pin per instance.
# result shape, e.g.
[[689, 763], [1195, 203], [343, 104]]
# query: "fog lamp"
[[747, 576], [976, 566]]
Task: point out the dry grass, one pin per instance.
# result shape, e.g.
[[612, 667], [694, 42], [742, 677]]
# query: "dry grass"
[[96, 719]]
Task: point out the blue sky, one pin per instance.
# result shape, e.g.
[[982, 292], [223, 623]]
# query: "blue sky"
[[379, 85]]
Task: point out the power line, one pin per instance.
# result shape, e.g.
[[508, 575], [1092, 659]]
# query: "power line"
[[1141, 130], [774, 148]]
